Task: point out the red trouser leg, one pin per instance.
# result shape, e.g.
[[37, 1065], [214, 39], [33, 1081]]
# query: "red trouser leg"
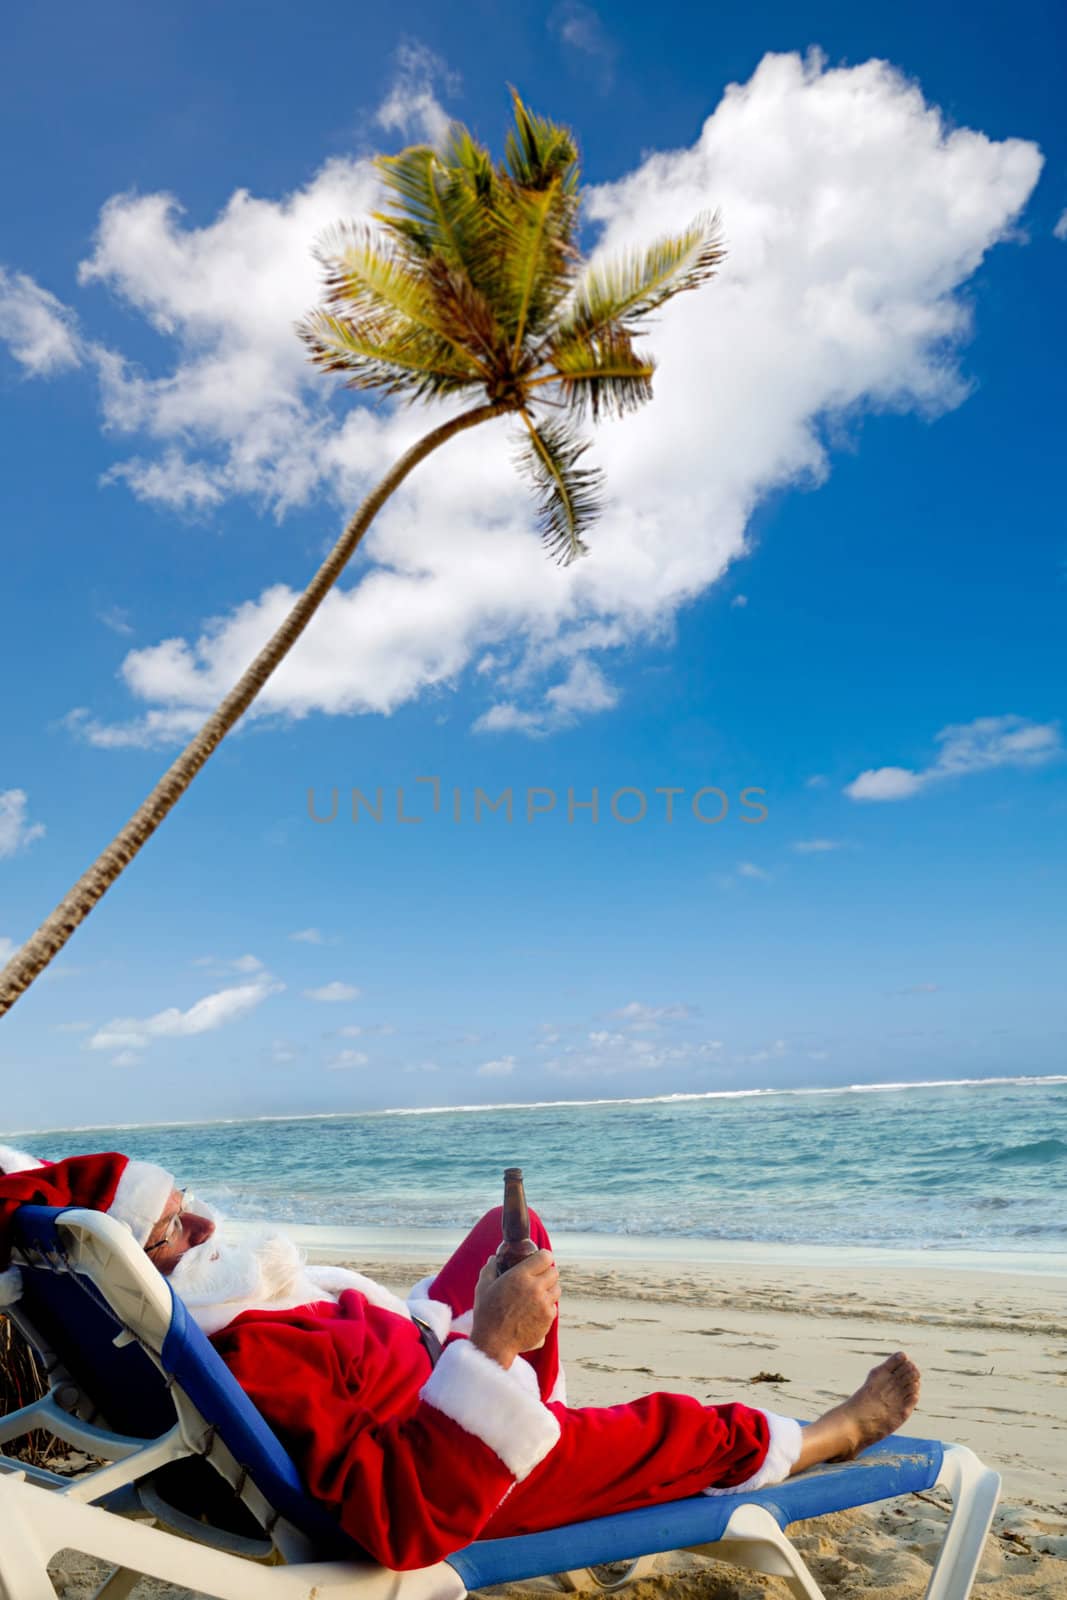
[[456, 1281], [615, 1458]]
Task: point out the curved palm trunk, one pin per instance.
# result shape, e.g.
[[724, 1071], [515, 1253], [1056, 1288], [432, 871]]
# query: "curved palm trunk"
[[53, 934]]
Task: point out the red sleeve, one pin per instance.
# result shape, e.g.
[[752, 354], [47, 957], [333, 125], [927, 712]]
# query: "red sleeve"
[[411, 1476]]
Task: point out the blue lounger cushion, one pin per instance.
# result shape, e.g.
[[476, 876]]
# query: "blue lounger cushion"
[[896, 1466]]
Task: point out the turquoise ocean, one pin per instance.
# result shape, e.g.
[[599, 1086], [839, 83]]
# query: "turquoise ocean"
[[975, 1166]]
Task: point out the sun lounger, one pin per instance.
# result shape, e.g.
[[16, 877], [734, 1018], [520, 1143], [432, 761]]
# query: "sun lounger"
[[192, 1486]]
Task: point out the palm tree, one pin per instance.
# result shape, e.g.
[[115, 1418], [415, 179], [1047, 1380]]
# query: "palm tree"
[[470, 284]]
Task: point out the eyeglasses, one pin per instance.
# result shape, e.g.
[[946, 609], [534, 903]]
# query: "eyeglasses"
[[174, 1226]]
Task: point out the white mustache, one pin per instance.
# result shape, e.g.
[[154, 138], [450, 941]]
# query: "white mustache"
[[219, 1271]]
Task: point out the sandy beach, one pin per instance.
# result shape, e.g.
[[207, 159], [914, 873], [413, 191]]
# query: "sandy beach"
[[992, 1346]]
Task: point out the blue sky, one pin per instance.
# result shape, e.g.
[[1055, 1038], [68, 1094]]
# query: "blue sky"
[[832, 568]]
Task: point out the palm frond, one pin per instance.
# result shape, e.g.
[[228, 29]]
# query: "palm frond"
[[440, 204], [366, 278], [409, 363], [467, 156], [568, 495], [538, 260], [539, 153], [623, 291], [605, 374], [467, 319]]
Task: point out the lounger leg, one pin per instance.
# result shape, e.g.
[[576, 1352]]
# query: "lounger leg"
[[122, 1582], [975, 1490], [589, 1577], [753, 1539], [23, 1562]]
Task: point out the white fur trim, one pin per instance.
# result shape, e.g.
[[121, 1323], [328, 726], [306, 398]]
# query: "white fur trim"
[[12, 1160], [782, 1452], [10, 1286], [143, 1192], [435, 1313], [559, 1389], [337, 1279], [494, 1405]]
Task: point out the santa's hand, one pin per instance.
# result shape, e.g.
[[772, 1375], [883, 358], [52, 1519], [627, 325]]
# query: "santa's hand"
[[514, 1311]]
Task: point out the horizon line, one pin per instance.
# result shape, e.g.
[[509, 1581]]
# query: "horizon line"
[[1024, 1079]]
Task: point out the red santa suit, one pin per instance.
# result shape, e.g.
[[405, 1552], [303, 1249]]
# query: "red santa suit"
[[417, 1460]]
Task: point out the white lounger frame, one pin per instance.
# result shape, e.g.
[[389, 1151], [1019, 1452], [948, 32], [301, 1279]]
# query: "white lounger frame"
[[42, 1513]]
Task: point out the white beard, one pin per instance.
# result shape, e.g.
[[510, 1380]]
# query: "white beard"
[[219, 1279]]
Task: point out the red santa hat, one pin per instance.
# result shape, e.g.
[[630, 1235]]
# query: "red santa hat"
[[133, 1192]]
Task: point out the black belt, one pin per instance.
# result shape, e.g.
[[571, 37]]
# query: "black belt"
[[430, 1342]]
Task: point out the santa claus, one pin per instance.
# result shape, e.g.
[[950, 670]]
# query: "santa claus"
[[427, 1422]]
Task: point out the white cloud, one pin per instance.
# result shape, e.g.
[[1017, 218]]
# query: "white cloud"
[[236, 414], [816, 781], [1060, 230], [854, 219], [739, 602], [38, 329], [966, 747], [169, 480], [580, 28], [604, 1054], [885, 783], [817, 847], [117, 619], [411, 107], [7, 950], [154, 728], [307, 936], [248, 964], [758, 1058], [641, 1018], [213, 1011], [584, 690], [16, 831], [749, 869], [332, 993], [347, 1058], [501, 1068]]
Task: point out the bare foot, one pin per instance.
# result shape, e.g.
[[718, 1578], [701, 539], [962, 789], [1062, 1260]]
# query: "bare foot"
[[885, 1402], [878, 1408]]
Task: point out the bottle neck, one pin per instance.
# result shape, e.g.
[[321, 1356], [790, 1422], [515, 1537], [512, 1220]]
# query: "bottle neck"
[[516, 1219]]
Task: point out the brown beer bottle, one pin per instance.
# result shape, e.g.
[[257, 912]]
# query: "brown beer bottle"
[[516, 1244]]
